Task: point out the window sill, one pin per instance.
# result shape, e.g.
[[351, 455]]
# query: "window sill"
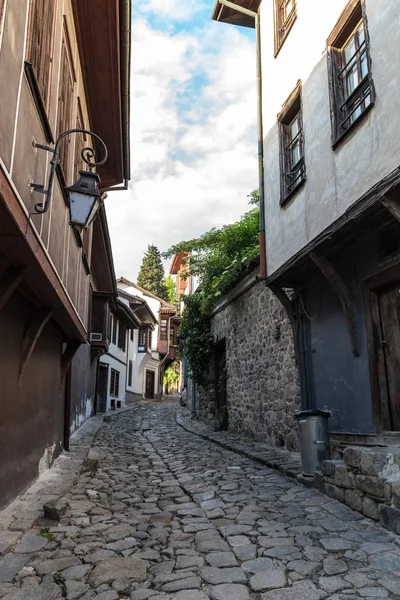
[[285, 199], [347, 132]]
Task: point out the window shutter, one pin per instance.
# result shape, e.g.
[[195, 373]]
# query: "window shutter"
[[40, 43], [335, 90]]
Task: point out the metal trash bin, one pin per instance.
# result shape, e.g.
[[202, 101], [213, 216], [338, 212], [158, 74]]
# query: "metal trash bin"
[[314, 439]]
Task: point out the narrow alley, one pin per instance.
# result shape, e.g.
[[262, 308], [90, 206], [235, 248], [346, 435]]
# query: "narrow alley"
[[169, 515]]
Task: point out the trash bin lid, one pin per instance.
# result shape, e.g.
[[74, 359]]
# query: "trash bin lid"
[[314, 412]]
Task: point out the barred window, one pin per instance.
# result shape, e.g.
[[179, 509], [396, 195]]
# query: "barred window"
[[142, 343], [293, 171], [114, 331], [122, 336], [163, 329], [114, 383], [285, 16], [40, 43], [350, 81]]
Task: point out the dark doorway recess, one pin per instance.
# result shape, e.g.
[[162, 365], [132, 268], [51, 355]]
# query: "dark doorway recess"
[[383, 310], [220, 380], [102, 388], [150, 378]]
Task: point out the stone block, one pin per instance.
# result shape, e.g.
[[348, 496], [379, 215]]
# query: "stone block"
[[390, 517], [55, 509], [92, 460], [373, 462], [395, 488], [352, 456], [343, 477], [370, 508], [333, 491], [319, 482], [329, 466], [373, 486], [354, 499]]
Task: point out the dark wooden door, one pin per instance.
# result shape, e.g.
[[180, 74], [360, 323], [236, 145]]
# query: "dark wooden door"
[[102, 388], [389, 311], [150, 384]]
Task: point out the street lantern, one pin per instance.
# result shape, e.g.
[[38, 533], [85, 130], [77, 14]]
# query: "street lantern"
[[84, 199], [84, 196]]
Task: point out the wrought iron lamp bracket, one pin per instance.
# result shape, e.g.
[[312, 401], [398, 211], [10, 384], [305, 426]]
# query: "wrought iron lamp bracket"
[[88, 155]]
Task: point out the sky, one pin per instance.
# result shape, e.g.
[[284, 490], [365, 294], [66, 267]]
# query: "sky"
[[193, 129]]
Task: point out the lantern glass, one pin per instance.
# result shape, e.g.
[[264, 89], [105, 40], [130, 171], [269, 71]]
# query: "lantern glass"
[[84, 199]]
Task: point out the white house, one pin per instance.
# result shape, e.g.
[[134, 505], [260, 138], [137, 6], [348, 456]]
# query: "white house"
[[331, 145]]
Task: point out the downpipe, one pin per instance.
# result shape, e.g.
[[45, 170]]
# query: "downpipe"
[[262, 275]]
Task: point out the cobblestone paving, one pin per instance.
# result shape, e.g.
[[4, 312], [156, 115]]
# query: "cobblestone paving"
[[170, 516]]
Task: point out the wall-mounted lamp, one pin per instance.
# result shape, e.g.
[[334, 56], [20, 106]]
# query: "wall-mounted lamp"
[[84, 197]]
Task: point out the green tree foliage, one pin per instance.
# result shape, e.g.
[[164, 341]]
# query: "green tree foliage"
[[195, 331], [151, 274], [219, 259], [171, 374], [171, 289]]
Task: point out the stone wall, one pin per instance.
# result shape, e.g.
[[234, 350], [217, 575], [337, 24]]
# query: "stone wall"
[[263, 390], [367, 480]]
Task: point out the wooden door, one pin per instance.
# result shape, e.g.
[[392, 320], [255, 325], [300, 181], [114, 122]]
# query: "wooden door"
[[389, 314], [102, 388], [150, 377]]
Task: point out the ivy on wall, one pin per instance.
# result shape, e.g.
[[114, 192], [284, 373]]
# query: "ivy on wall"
[[218, 259]]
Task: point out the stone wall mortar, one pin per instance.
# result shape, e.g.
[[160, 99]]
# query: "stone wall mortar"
[[263, 390]]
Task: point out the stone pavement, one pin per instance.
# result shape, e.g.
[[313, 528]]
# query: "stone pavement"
[[171, 516]]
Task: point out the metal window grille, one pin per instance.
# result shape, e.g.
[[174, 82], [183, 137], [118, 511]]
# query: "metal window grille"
[[293, 171], [142, 340], [286, 12], [114, 383], [163, 329], [353, 78]]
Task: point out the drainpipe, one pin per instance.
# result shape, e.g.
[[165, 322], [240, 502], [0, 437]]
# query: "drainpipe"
[[256, 16]]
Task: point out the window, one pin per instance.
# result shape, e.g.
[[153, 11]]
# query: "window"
[[293, 172], [131, 335], [114, 331], [142, 344], [130, 373], [122, 336], [40, 43], [163, 329], [114, 383], [150, 338], [285, 16], [350, 82], [172, 336], [65, 104]]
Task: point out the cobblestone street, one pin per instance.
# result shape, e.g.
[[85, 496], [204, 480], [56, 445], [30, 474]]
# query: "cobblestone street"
[[169, 515]]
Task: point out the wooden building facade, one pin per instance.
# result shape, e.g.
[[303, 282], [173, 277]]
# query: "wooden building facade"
[[64, 64]]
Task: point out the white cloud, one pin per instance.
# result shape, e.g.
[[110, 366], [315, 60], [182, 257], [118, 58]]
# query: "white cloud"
[[194, 146], [174, 10]]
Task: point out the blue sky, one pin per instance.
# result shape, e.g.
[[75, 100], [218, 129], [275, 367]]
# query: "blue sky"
[[193, 129]]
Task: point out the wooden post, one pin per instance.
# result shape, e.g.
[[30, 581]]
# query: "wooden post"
[[287, 305], [32, 336], [9, 282]]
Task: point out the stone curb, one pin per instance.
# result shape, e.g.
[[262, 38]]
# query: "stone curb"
[[22, 514], [287, 463]]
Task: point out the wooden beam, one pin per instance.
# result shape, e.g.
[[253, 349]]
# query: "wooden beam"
[[68, 357], [9, 282], [391, 204], [32, 336], [287, 305], [343, 293]]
